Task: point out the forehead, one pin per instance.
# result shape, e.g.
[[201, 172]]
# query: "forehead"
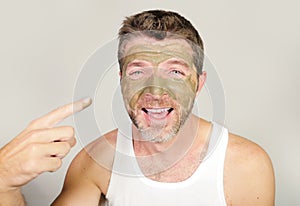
[[170, 46]]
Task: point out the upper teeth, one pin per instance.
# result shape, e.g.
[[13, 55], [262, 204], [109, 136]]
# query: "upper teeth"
[[159, 110]]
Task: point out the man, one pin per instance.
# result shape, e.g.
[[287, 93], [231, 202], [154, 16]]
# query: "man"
[[169, 157], [39, 148]]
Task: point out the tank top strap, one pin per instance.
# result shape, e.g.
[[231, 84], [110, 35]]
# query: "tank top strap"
[[217, 134], [124, 160]]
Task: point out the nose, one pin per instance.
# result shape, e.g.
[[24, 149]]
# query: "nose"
[[154, 91], [153, 99], [155, 85]]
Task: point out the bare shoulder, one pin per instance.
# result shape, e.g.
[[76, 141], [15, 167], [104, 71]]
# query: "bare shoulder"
[[89, 173], [248, 173], [98, 156], [241, 149], [102, 150]]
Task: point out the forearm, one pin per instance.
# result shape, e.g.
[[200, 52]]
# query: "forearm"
[[12, 198]]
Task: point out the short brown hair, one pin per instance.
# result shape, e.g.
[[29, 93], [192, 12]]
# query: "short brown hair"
[[157, 24]]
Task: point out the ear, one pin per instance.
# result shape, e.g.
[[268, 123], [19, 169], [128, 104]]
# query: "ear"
[[201, 81], [120, 74]]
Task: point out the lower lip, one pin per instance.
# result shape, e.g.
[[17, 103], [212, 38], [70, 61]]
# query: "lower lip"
[[157, 116]]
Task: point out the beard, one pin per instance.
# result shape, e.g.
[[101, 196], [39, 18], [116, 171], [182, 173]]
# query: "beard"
[[160, 131]]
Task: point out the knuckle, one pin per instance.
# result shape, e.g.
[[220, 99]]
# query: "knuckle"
[[32, 149], [56, 164], [32, 134], [70, 130], [30, 167], [73, 142], [33, 123], [61, 109], [57, 109], [66, 147]]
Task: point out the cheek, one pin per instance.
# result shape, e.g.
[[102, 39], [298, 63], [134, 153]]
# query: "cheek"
[[127, 91], [186, 102], [185, 93], [192, 82], [179, 92], [131, 91]]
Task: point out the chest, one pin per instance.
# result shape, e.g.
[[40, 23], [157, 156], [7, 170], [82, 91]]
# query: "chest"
[[172, 169]]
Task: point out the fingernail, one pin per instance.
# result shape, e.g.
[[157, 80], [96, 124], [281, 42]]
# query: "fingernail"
[[82, 104], [87, 100]]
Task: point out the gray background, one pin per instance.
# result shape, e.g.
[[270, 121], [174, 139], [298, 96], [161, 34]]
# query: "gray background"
[[254, 46]]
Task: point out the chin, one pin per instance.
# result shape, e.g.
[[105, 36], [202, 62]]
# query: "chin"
[[157, 130]]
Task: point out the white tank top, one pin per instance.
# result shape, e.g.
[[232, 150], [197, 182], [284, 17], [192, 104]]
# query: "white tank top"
[[129, 187]]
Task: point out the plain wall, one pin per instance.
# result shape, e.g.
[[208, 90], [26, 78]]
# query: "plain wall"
[[254, 46]]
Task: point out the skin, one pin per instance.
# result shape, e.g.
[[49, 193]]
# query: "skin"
[[150, 72], [248, 171], [39, 148]]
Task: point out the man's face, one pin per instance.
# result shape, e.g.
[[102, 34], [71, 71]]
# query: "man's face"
[[159, 84]]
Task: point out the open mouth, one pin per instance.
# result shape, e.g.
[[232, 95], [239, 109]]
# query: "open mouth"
[[157, 113]]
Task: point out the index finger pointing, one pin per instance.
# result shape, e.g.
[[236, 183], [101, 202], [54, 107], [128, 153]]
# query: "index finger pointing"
[[57, 115]]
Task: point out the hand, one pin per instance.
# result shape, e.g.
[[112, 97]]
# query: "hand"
[[39, 148]]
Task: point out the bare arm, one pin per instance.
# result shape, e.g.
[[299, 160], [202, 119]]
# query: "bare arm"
[[249, 175], [79, 186], [89, 173]]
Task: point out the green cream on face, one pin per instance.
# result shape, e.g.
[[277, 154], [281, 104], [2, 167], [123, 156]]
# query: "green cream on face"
[[157, 54], [182, 90]]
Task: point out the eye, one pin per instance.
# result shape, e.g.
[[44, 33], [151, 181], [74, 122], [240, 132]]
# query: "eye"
[[176, 73], [137, 69], [136, 74]]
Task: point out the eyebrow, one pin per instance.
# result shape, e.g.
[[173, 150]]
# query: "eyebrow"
[[136, 64], [178, 62]]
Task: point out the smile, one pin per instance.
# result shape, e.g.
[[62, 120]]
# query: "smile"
[[157, 113]]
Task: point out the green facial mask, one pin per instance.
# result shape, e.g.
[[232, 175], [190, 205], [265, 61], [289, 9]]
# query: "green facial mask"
[[158, 53], [182, 90]]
